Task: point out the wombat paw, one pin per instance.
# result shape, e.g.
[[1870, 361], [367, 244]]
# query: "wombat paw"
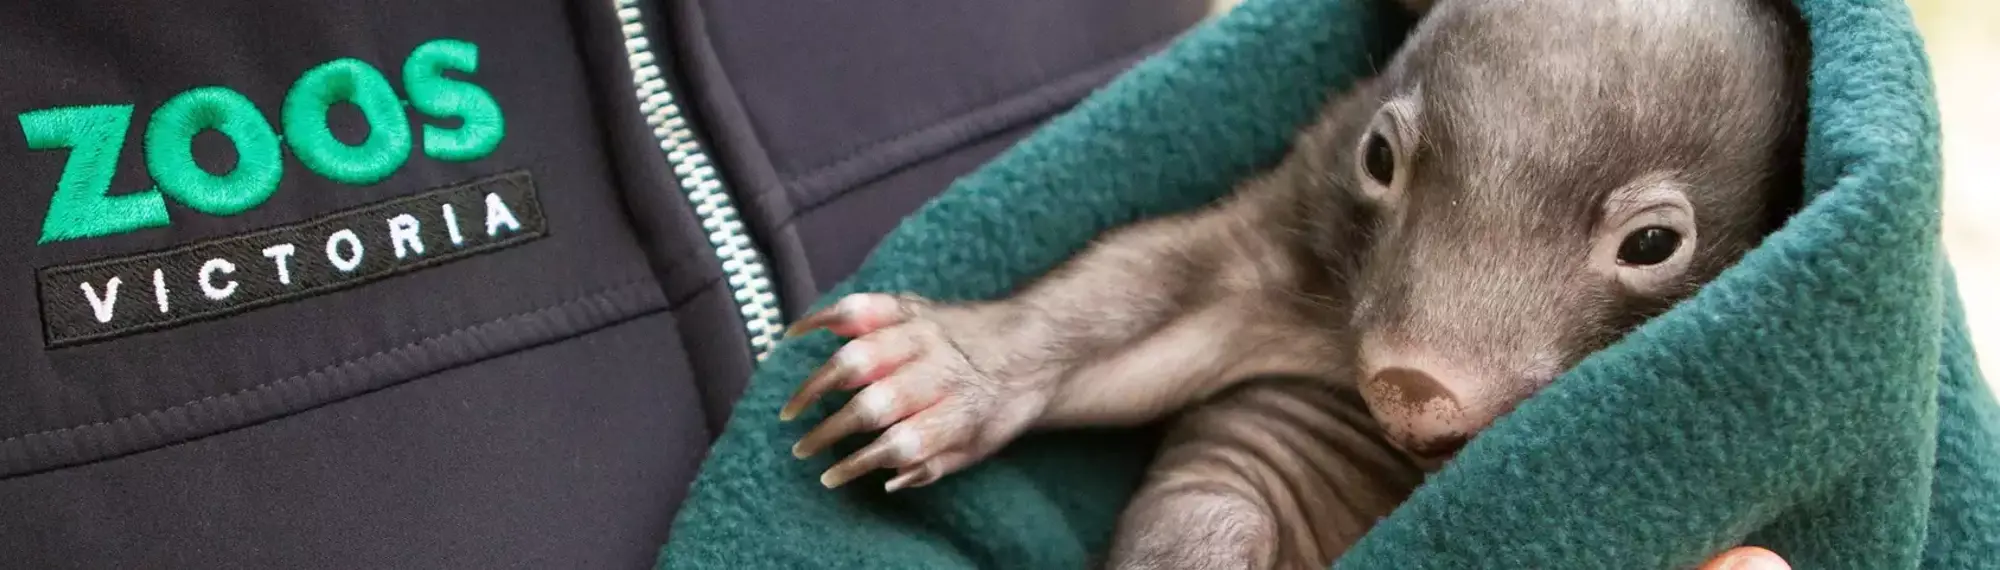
[[941, 413]]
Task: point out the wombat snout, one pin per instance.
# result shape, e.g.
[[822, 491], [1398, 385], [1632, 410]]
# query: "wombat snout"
[[1416, 411]]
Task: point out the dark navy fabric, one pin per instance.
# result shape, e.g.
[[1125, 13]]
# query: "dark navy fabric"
[[542, 404], [836, 119]]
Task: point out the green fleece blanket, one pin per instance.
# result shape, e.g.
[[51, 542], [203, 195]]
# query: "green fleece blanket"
[[1820, 399]]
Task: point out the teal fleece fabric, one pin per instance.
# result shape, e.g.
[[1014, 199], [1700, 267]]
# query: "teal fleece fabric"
[[1821, 398]]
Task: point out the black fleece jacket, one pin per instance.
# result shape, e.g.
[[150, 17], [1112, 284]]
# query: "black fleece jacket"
[[451, 284]]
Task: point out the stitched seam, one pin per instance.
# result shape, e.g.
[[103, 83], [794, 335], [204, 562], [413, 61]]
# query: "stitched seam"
[[324, 369], [1097, 66], [941, 139], [822, 199]]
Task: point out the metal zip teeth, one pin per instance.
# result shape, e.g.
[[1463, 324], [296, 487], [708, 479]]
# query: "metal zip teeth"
[[742, 266]]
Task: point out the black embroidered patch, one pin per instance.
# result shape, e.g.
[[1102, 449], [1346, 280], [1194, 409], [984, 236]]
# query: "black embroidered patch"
[[108, 298]]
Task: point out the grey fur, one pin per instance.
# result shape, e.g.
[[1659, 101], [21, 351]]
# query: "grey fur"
[[1530, 137]]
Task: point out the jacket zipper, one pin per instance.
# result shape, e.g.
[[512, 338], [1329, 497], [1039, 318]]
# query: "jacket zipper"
[[748, 277]]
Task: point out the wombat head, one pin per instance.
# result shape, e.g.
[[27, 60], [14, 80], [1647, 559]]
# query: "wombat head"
[[1534, 178]]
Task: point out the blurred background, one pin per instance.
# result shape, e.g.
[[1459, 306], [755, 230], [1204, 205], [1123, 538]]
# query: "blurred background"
[[1963, 39]]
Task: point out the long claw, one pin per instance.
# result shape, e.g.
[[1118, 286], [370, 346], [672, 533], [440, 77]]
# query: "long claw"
[[910, 477], [834, 373], [823, 318], [888, 401], [843, 423], [893, 448], [858, 363], [857, 315]]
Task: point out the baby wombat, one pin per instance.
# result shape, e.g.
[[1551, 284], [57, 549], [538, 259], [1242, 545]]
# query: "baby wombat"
[[1525, 182]]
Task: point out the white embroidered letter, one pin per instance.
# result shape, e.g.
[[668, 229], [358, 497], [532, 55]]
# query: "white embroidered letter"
[[344, 264], [402, 232], [160, 289], [497, 214], [103, 306], [207, 280], [451, 226], [280, 254]]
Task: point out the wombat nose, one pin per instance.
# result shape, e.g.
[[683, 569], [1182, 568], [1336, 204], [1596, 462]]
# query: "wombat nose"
[[1412, 389], [1443, 446], [1417, 412]]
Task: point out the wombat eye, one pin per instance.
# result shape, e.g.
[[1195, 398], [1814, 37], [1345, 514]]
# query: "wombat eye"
[[1379, 159], [1648, 246]]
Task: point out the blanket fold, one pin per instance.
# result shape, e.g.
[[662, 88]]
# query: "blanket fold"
[[1821, 398]]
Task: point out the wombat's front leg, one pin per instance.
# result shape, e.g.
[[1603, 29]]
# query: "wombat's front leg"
[[1152, 317]]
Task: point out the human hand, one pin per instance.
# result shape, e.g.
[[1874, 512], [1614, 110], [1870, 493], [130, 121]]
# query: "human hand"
[[1747, 558]]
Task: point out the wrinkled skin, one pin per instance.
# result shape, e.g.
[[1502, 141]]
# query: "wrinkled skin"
[[1525, 182]]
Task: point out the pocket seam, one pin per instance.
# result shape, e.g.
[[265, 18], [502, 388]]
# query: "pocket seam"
[[15, 450], [830, 179]]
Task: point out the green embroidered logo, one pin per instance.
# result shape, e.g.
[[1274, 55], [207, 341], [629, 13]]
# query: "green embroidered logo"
[[83, 207]]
